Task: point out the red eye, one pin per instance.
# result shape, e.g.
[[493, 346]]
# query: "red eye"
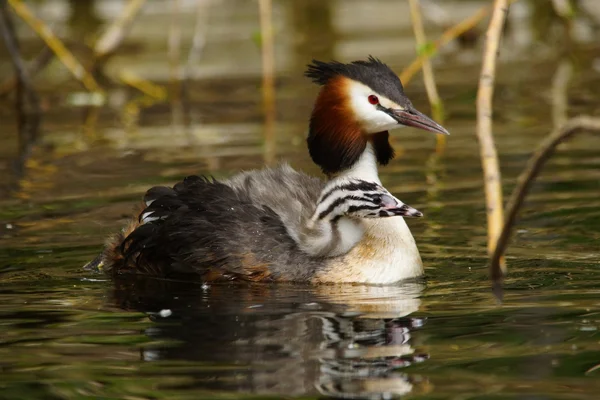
[[373, 99]]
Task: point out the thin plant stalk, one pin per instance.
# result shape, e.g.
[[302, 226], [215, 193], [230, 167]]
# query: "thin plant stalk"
[[268, 77], [437, 107], [448, 36], [150, 89], [489, 156], [52, 41], [560, 87], [117, 31]]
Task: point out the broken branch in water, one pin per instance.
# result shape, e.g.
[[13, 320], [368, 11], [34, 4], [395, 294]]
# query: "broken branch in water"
[[437, 107], [526, 179], [489, 157], [62, 53]]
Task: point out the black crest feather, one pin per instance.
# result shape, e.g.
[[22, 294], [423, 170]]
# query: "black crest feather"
[[372, 72]]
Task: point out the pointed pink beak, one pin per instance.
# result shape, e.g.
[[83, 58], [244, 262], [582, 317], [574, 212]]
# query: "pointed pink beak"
[[416, 119]]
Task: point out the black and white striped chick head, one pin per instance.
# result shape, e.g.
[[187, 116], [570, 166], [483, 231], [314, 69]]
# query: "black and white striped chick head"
[[356, 198]]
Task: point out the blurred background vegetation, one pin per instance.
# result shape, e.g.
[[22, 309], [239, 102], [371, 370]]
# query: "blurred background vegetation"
[[121, 57], [129, 93]]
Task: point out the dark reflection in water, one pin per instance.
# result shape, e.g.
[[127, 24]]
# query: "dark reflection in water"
[[341, 341]]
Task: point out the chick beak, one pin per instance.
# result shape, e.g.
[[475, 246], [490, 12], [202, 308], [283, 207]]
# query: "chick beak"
[[416, 119], [405, 211], [393, 206]]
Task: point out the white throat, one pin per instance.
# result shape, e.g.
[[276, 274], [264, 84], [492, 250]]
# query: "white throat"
[[365, 168], [387, 252]]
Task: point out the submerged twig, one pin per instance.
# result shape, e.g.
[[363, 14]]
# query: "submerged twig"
[[437, 107], [268, 77], [62, 53], [489, 157], [525, 180]]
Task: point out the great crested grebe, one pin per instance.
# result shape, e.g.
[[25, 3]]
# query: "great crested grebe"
[[278, 224]]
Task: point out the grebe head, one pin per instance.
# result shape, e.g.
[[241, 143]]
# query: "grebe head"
[[358, 103]]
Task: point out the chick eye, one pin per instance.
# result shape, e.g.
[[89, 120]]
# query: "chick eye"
[[373, 99]]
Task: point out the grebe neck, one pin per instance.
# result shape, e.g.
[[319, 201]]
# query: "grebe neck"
[[364, 168]]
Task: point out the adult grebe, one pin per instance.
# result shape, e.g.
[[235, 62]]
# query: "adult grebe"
[[278, 224]]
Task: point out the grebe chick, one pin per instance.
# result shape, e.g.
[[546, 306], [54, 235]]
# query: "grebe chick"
[[328, 234], [278, 224]]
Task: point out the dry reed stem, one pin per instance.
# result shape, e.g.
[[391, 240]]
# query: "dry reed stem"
[[527, 177], [437, 107], [489, 157], [268, 77], [62, 53], [117, 31], [148, 88], [560, 87], [449, 35]]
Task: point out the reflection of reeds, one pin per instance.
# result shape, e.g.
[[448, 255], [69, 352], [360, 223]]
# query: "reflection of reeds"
[[560, 87], [193, 58], [175, 66], [437, 107], [268, 77], [489, 157], [61, 51], [198, 38]]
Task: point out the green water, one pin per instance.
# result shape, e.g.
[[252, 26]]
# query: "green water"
[[69, 334]]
